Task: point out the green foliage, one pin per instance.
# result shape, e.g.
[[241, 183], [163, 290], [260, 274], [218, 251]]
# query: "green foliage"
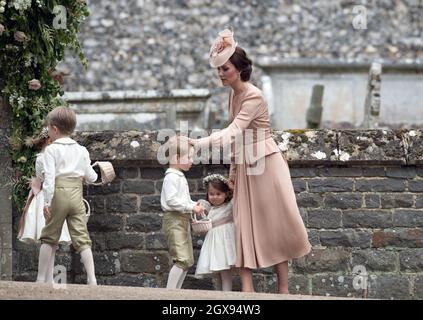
[[34, 58]]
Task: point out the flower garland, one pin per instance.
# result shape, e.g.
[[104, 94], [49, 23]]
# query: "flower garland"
[[34, 35], [214, 177]]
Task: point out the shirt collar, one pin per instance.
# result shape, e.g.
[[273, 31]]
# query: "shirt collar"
[[178, 172], [65, 140]]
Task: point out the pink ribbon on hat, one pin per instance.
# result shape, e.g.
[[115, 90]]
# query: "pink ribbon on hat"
[[218, 51], [226, 40]]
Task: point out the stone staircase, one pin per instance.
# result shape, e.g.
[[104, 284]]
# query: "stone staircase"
[[16, 290]]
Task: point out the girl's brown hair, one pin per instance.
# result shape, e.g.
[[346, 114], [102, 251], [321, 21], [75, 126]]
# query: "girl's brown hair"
[[221, 186], [39, 140]]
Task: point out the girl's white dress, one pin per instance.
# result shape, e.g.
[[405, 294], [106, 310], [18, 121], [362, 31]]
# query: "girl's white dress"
[[34, 216], [218, 251]]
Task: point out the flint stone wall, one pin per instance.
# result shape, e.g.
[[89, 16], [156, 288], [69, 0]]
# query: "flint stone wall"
[[164, 45], [359, 193]]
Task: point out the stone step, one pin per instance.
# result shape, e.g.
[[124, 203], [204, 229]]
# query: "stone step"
[[17, 290]]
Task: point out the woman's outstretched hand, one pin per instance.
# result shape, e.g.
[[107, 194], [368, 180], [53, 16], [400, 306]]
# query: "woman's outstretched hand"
[[192, 142]]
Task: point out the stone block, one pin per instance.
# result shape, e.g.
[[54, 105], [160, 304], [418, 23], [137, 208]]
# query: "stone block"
[[121, 203], [376, 260], [345, 238], [330, 185], [343, 200], [322, 260], [325, 218], [373, 218], [144, 222], [144, 262]]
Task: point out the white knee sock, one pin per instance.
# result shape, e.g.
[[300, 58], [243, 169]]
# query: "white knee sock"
[[176, 278], [50, 270], [226, 277], [88, 261], [44, 261], [181, 279]]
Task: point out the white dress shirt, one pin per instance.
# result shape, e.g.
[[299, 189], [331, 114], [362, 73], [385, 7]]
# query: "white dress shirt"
[[175, 193], [65, 158]]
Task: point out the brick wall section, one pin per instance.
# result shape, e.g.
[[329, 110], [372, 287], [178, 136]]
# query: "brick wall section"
[[364, 212]]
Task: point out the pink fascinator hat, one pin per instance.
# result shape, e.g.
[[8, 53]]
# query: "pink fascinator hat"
[[222, 48]]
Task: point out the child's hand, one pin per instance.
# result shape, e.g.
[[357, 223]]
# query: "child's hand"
[[198, 209], [47, 214]]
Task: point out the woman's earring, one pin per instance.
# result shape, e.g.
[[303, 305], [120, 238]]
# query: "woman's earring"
[[239, 76]]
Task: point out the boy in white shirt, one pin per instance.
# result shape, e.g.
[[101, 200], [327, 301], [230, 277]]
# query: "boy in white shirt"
[[178, 206], [66, 164]]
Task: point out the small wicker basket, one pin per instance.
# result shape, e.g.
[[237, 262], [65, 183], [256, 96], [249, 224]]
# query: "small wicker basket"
[[106, 171], [88, 210], [200, 226]]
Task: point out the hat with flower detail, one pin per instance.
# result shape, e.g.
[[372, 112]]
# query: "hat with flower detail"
[[222, 48]]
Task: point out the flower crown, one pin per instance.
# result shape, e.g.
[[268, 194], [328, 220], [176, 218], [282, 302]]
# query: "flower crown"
[[44, 133], [213, 177]]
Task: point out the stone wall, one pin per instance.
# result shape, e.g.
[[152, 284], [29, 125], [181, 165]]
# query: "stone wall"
[[5, 194], [345, 89], [163, 45], [359, 192], [139, 110]]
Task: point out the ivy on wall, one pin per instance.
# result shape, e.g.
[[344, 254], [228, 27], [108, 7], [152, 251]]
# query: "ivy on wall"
[[34, 35]]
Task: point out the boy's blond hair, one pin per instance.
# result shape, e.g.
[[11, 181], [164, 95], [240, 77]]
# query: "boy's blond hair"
[[178, 145], [63, 118]]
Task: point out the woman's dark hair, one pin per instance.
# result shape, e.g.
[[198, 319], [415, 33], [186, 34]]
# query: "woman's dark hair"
[[221, 186], [242, 63]]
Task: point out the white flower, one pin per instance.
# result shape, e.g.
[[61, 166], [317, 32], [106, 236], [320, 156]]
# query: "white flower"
[[319, 155], [310, 134], [343, 156], [283, 146], [1, 28], [134, 144], [20, 5], [22, 159], [20, 36]]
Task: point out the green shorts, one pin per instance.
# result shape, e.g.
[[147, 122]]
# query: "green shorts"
[[177, 229], [67, 205]]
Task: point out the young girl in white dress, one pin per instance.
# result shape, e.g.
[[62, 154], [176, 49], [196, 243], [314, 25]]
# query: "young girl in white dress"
[[218, 253], [32, 220]]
